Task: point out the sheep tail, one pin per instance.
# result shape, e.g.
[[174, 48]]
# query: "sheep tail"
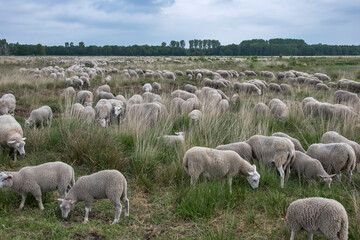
[[343, 233]]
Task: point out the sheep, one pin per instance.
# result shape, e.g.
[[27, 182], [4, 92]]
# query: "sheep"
[[176, 105], [189, 105], [106, 184], [322, 87], [103, 88], [151, 97], [332, 85], [145, 114], [345, 96], [261, 109], [39, 116], [195, 115], [275, 87], [45, 177], [182, 94], [267, 74], [85, 80], [296, 142], [156, 87], [241, 148], [103, 110], [322, 77], [199, 76], [173, 139], [319, 216], [179, 73], [135, 99], [121, 98], [311, 168], [118, 110], [278, 108], [222, 164], [105, 95], [250, 73], [334, 137], [207, 82], [277, 150], [69, 93], [7, 104], [88, 114], [334, 157], [189, 76], [223, 106], [147, 87], [107, 79], [247, 88], [77, 82], [85, 98], [285, 87], [190, 88], [77, 109], [169, 75]]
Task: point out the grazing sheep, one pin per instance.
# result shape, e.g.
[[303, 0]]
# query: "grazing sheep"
[[223, 106], [7, 104], [322, 76], [151, 97], [179, 73], [334, 157], [273, 150], [241, 148], [105, 95], [311, 168], [190, 88], [319, 216], [135, 99], [107, 79], [195, 115], [182, 94], [11, 135], [189, 105], [77, 82], [77, 109], [267, 74], [85, 80], [199, 76], [156, 87], [145, 114], [348, 97], [332, 85], [334, 137], [322, 87], [250, 73], [175, 106], [85, 98], [207, 82], [296, 142], [221, 164], [107, 184], [103, 110], [274, 87], [247, 88], [285, 87], [278, 108], [46, 177], [103, 88], [147, 87], [173, 139], [121, 98], [261, 109], [118, 110], [69, 92], [39, 116], [88, 114], [169, 75], [189, 76]]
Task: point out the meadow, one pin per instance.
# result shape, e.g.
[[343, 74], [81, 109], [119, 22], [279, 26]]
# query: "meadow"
[[163, 205]]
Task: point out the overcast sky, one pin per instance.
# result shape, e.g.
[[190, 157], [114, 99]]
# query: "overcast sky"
[[129, 22]]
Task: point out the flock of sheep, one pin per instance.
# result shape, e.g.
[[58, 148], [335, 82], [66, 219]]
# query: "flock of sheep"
[[334, 155]]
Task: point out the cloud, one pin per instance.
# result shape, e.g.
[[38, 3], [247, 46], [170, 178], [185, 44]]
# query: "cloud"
[[125, 22]]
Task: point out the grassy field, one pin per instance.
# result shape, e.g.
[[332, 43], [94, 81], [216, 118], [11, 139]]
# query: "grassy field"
[[162, 203]]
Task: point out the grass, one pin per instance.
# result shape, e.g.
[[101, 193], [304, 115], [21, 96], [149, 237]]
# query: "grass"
[[163, 204]]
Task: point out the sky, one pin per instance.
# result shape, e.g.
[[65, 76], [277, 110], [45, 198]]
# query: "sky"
[[129, 22]]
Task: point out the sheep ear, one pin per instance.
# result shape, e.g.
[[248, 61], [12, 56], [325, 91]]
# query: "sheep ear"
[[254, 167], [24, 139], [320, 176], [11, 142], [332, 175], [250, 173]]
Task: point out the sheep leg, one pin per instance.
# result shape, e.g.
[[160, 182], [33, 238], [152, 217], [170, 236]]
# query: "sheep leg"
[[338, 176], [39, 200], [350, 177], [281, 172], [23, 198], [15, 154], [118, 208], [310, 236], [127, 207], [87, 210], [292, 237], [230, 184]]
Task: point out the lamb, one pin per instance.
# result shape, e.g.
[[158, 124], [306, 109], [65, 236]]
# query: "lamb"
[[311, 168], [173, 139], [334, 137], [345, 96], [69, 93], [46, 177], [195, 115], [296, 142], [274, 87], [88, 114], [334, 157], [241, 148], [103, 88], [190, 88], [273, 150], [11, 135], [147, 87], [319, 216], [39, 116], [103, 110], [85, 98], [106, 184], [7, 104], [156, 87], [221, 164], [261, 109], [278, 108], [77, 109]]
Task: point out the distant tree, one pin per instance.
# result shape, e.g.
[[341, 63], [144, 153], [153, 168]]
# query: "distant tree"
[[177, 44], [182, 44], [163, 44], [71, 44], [40, 50], [66, 44], [81, 44], [173, 44], [4, 47], [191, 44]]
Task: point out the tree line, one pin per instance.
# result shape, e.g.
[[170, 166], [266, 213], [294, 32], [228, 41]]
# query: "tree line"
[[197, 47]]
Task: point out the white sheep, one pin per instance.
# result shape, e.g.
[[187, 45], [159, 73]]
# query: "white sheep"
[[334, 157], [348, 97], [319, 216], [247, 88], [7, 104], [241, 148], [190, 88], [147, 87], [156, 87], [273, 150], [250, 73], [189, 105], [285, 87], [223, 106], [195, 115], [151, 97], [39, 116], [11, 135], [261, 109], [107, 79], [106, 184], [182, 94], [103, 110], [77, 109], [278, 108], [103, 88], [135, 99], [311, 168], [105, 95], [275, 87], [322, 87], [69, 92], [46, 177], [145, 114], [221, 164], [296, 142], [85, 98], [88, 114], [173, 139], [118, 110]]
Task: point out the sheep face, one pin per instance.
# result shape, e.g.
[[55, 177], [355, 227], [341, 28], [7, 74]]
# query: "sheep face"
[[117, 110], [102, 122], [29, 123], [253, 178], [326, 180], [66, 206], [18, 145], [5, 180]]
